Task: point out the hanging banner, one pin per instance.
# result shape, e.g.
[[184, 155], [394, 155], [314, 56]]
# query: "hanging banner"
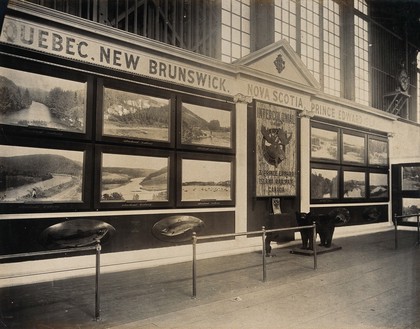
[[276, 153]]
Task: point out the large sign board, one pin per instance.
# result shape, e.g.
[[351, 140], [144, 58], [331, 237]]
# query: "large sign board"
[[276, 153], [81, 48]]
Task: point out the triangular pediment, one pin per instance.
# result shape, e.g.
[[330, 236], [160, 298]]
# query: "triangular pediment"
[[281, 61]]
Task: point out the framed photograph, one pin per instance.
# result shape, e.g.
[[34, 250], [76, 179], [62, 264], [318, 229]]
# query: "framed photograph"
[[205, 180], [354, 148], [42, 176], [378, 185], [324, 184], [410, 206], [128, 178], [354, 184], [135, 115], [410, 174], [377, 152], [45, 105], [324, 143], [206, 125]]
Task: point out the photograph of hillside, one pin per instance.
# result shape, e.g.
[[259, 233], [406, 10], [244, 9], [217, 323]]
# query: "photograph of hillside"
[[378, 185], [134, 178], [137, 116], [206, 126], [206, 180], [411, 206], [35, 100], [40, 175], [354, 184]]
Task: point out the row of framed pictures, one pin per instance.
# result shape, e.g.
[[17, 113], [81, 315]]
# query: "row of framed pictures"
[[42, 175], [332, 144], [331, 184], [65, 104], [406, 192]]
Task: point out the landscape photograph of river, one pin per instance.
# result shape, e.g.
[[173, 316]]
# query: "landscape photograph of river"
[[40, 175], [134, 178], [35, 100]]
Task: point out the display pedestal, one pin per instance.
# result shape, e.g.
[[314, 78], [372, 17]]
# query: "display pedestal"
[[319, 250]]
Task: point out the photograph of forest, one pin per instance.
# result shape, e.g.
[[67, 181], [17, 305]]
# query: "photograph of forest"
[[137, 116], [411, 178], [324, 183], [378, 185], [35, 100], [378, 152], [134, 178], [206, 180], [324, 144], [206, 126], [40, 175], [353, 148]]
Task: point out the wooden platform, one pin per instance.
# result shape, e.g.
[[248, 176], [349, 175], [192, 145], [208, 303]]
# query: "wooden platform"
[[319, 250]]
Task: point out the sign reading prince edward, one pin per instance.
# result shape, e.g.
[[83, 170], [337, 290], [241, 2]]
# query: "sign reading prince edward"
[[275, 150]]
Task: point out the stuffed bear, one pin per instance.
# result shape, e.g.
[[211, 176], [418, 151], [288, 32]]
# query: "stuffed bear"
[[325, 226], [304, 219]]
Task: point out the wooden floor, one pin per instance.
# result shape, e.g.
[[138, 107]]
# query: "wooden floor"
[[366, 284]]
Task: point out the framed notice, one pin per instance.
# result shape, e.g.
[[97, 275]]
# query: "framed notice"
[[275, 149]]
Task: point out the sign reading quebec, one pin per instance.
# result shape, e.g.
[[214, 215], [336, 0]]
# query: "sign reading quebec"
[[276, 154], [81, 48]]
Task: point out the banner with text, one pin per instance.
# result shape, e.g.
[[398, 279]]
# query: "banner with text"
[[80, 48]]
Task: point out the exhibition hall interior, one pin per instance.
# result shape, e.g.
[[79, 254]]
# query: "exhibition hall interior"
[[209, 164]]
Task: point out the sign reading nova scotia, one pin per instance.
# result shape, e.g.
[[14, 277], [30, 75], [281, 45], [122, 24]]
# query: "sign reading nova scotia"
[[78, 47], [276, 154]]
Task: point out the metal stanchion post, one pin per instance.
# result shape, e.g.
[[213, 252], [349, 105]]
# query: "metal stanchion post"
[[98, 265], [396, 231], [263, 255], [194, 268], [314, 245]]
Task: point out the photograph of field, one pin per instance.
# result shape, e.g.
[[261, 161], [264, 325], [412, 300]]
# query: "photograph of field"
[[411, 178], [324, 144], [353, 148], [132, 115], [324, 183], [134, 178], [206, 126], [354, 184], [40, 175], [206, 180], [35, 100], [378, 152], [378, 185], [411, 206]]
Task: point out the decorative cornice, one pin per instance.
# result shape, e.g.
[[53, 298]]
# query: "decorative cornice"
[[306, 114], [240, 98]]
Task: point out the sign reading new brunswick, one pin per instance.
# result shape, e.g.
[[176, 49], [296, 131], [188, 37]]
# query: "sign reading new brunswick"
[[275, 150], [81, 48]]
